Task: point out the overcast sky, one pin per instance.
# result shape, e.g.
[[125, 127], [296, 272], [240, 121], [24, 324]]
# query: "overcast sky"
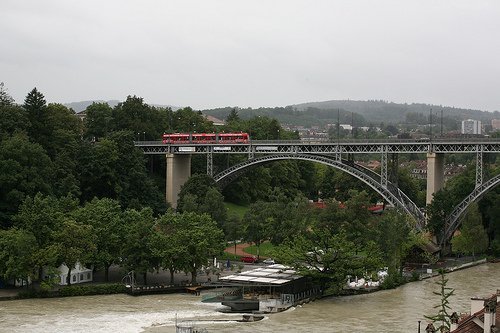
[[215, 53]]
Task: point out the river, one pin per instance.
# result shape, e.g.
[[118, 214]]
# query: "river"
[[395, 310]]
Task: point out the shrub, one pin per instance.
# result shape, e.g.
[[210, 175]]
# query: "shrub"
[[92, 289]]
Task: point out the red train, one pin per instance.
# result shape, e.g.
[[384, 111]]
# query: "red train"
[[239, 137]]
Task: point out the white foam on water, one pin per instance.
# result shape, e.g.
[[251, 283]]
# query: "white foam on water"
[[127, 322]]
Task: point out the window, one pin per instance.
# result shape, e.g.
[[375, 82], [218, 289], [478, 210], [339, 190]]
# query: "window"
[[74, 278], [81, 277]]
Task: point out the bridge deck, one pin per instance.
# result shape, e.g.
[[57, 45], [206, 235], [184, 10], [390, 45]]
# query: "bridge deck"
[[325, 147]]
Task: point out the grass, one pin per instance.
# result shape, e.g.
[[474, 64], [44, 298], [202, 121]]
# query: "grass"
[[265, 249], [234, 209]]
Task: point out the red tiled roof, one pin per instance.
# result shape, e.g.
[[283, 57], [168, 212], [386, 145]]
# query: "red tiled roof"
[[467, 324]]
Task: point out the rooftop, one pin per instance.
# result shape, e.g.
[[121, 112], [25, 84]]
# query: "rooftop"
[[270, 275]]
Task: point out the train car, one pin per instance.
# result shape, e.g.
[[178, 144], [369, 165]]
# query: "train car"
[[183, 138], [176, 138], [203, 138], [233, 137]]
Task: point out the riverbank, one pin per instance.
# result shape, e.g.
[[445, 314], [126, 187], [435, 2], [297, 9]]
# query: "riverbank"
[[181, 279], [392, 311]]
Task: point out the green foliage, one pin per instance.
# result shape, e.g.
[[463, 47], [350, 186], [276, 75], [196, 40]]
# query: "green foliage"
[[256, 222], [43, 217], [442, 317], [76, 290], [16, 254], [324, 256], [105, 217], [13, 119], [5, 98], [26, 169], [76, 244], [438, 210], [393, 280], [472, 238], [185, 241], [200, 194], [395, 237], [139, 118], [98, 120], [136, 251], [233, 117], [114, 169], [235, 209], [266, 249], [93, 289]]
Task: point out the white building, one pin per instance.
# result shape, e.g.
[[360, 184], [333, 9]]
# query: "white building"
[[471, 126], [79, 274], [495, 124]]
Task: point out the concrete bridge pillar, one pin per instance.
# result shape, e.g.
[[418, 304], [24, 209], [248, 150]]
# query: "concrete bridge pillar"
[[435, 174], [178, 172]]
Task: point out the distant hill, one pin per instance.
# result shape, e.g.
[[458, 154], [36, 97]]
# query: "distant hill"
[[361, 113], [382, 111], [80, 106]]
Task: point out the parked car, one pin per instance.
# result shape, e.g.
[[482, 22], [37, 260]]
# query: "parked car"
[[269, 261], [249, 259]]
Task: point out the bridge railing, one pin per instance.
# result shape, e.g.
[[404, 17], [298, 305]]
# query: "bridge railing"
[[342, 141]]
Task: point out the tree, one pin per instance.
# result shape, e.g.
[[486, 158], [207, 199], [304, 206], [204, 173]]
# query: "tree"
[[43, 217], [36, 106], [200, 195], [98, 120], [438, 210], [395, 239], [13, 119], [25, 170], [357, 219], [233, 116], [473, 237], [115, 169], [326, 257], [213, 205], [442, 317], [105, 217], [136, 250], [288, 217], [5, 98], [233, 229], [16, 254], [143, 121], [256, 222], [63, 129], [165, 245], [76, 244], [185, 241], [188, 120]]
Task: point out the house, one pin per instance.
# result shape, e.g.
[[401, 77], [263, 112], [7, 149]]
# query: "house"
[[484, 317], [273, 288], [79, 274], [215, 121]]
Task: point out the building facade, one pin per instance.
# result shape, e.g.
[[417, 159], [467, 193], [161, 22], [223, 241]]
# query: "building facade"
[[471, 126]]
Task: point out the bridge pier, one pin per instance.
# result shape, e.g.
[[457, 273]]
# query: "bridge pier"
[[435, 174], [178, 172]]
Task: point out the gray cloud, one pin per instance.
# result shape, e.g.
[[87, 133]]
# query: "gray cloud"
[[253, 53]]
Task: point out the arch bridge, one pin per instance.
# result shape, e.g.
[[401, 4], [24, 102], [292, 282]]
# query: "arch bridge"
[[340, 156]]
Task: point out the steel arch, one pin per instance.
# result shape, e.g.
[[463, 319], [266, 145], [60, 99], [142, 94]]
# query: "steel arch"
[[454, 219], [390, 193]]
